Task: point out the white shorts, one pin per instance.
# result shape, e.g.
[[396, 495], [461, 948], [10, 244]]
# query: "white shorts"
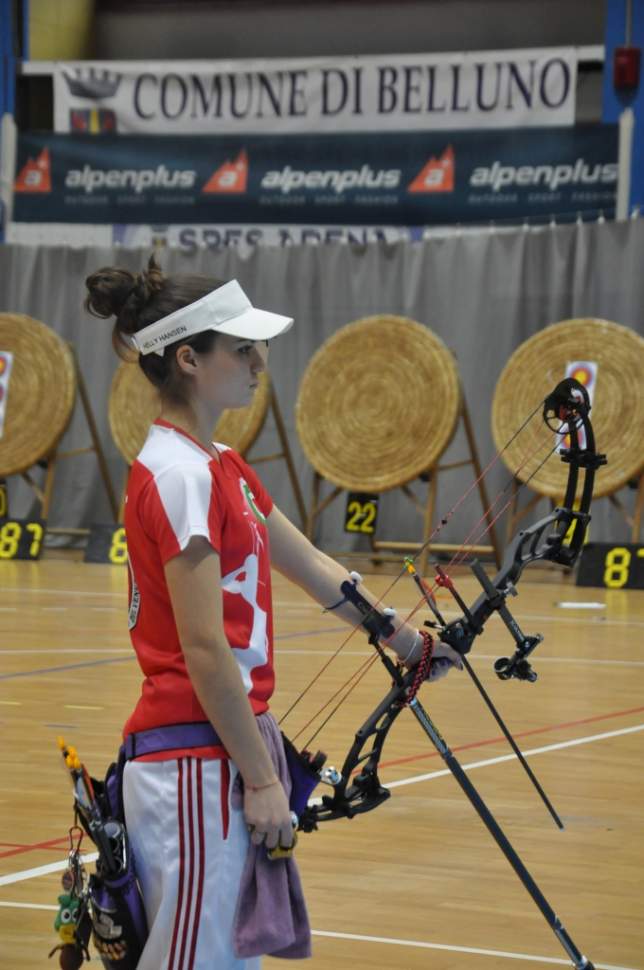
[[189, 847]]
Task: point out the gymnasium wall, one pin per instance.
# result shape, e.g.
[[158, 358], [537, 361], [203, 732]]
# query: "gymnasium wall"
[[483, 293], [284, 28]]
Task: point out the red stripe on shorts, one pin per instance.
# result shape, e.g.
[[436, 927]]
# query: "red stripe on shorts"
[[177, 918], [200, 870], [191, 866]]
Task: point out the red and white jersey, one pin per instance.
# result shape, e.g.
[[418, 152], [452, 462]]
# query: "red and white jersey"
[[177, 490]]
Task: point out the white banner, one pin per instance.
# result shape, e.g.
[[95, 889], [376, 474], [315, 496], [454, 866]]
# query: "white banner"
[[244, 237], [410, 92], [247, 237]]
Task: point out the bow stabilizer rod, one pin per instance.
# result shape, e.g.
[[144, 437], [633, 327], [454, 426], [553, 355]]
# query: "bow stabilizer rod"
[[579, 961]]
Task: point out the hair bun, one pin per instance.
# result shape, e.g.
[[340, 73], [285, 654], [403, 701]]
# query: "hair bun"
[[118, 292], [108, 290]]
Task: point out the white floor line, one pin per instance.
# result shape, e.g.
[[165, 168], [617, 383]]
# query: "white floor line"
[[474, 951], [577, 620], [521, 617], [62, 592], [296, 651], [57, 866], [512, 757], [418, 944], [55, 651], [568, 660], [472, 658], [12, 877], [11, 905], [290, 604]]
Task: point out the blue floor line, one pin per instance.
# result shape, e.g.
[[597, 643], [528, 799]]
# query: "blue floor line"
[[118, 660]]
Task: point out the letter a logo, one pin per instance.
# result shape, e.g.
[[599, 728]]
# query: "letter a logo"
[[229, 177], [35, 176], [436, 175]]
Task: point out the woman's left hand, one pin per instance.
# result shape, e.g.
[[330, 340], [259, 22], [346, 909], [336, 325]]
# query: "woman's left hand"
[[444, 658]]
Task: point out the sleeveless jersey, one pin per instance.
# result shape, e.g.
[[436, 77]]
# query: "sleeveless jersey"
[[178, 490]]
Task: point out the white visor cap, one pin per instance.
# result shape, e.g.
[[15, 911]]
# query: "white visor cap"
[[224, 310]]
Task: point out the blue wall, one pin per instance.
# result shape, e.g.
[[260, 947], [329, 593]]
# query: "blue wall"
[[616, 101]]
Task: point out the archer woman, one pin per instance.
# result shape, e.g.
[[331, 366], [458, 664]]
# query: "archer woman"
[[205, 785]]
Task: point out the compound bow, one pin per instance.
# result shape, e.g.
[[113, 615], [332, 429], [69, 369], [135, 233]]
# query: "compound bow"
[[556, 538]]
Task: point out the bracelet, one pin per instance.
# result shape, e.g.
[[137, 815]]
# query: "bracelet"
[[424, 666], [261, 787]]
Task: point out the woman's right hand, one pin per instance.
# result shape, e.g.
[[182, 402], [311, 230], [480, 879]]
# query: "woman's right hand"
[[268, 816]]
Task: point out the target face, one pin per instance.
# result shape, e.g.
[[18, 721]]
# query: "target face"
[[583, 375]]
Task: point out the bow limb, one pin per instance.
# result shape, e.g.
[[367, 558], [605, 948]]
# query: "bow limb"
[[357, 788]]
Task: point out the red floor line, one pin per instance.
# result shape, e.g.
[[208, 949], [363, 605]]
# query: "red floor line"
[[52, 843], [19, 849], [521, 734]]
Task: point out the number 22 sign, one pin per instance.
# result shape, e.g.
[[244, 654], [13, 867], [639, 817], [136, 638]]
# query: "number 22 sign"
[[361, 513]]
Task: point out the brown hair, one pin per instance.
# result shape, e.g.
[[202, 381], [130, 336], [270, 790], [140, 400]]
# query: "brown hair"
[[139, 299]]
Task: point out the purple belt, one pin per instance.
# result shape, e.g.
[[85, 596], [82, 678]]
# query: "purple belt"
[[198, 734]]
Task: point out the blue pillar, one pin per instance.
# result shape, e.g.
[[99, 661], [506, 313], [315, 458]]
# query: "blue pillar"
[[615, 102], [7, 71], [14, 46]]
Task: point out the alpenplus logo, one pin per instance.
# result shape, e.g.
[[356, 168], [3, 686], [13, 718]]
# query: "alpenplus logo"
[[436, 175], [342, 180], [230, 178], [91, 180], [35, 174], [498, 176]]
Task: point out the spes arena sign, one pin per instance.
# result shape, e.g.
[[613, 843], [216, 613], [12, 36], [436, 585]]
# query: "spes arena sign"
[[402, 179], [407, 92]]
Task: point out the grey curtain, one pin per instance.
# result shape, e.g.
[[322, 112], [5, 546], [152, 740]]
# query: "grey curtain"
[[484, 293]]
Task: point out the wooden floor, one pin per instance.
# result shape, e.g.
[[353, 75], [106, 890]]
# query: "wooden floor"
[[418, 882]]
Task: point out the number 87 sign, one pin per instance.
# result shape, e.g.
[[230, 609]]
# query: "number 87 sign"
[[21, 538]]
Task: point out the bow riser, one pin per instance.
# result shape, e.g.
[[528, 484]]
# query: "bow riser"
[[360, 792]]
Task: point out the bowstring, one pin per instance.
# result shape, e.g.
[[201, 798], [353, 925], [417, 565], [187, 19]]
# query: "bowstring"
[[462, 551], [358, 675], [459, 556]]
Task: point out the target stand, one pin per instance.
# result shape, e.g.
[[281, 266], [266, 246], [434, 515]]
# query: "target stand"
[[135, 403], [377, 407], [609, 360], [39, 377]]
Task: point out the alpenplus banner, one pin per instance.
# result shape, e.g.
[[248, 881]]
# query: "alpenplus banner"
[[405, 92], [410, 179]]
